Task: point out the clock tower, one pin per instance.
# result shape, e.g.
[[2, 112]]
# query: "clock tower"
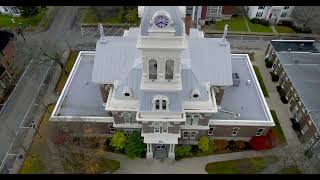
[[162, 40]]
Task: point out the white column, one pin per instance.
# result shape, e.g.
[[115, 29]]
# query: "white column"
[[171, 152], [149, 151]]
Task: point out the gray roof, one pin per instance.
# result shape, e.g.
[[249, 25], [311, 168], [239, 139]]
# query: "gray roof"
[[114, 59], [298, 58], [306, 81], [291, 45], [211, 61], [174, 12], [83, 97], [244, 99]]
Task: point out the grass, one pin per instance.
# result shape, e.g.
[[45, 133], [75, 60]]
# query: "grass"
[[103, 165], [290, 170], [33, 163], [241, 166], [277, 129], [234, 24], [88, 17], [263, 87], [63, 77], [284, 29], [6, 21], [48, 18], [259, 27]]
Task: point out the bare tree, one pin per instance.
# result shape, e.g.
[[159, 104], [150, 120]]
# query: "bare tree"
[[305, 14], [56, 58]]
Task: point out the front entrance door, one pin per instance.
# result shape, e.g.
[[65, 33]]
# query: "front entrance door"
[[160, 151]]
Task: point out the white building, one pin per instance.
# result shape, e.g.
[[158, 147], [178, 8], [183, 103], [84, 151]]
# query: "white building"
[[10, 10], [273, 14], [171, 86]]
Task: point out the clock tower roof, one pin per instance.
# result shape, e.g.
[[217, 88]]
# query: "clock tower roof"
[[174, 13]]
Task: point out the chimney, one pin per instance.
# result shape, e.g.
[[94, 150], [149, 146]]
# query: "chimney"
[[187, 24]]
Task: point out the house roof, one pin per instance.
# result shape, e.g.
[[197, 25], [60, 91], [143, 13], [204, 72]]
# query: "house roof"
[[294, 45], [5, 37]]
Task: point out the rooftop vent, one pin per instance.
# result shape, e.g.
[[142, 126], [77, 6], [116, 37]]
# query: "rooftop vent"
[[236, 79], [248, 82], [289, 49]]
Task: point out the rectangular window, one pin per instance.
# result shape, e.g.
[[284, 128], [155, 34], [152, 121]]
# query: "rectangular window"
[[259, 14], [188, 120], [156, 127], [185, 135], [261, 7], [195, 119], [259, 131], [304, 130], [193, 135], [235, 131], [286, 7], [164, 127], [211, 130], [298, 117], [283, 15], [127, 118], [310, 122]]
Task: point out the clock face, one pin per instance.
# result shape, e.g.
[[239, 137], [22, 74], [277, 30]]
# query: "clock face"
[[161, 21]]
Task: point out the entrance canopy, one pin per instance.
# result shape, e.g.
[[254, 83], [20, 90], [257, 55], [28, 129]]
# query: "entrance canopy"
[[160, 138]]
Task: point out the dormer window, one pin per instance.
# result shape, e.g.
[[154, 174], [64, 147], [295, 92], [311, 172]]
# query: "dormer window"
[[126, 92], [195, 94], [160, 103]]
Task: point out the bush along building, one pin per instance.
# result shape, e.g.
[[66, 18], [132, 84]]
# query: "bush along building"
[[297, 65], [170, 84], [6, 60], [272, 14]]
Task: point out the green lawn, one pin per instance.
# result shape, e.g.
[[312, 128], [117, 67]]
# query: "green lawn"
[[290, 170], [6, 21], [284, 29], [263, 87], [234, 24], [277, 129], [63, 78], [259, 27], [241, 166]]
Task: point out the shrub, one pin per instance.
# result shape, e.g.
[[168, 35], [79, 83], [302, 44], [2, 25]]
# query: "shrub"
[[221, 145], [182, 151], [203, 143], [269, 64], [259, 21], [240, 145], [232, 146], [267, 59], [274, 77], [118, 141], [194, 149], [135, 147]]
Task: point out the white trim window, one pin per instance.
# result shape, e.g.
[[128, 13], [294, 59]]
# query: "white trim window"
[[261, 7], [193, 134], [259, 131], [160, 127], [211, 130], [185, 135], [192, 119], [286, 7], [298, 116], [235, 131], [304, 129], [284, 14], [129, 118], [160, 103], [259, 14]]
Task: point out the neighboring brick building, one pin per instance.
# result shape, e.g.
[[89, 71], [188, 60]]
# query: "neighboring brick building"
[[209, 13], [297, 62], [6, 59]]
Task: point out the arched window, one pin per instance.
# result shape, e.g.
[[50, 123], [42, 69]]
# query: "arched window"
[[160, 103], [152, 69], [169, 69]]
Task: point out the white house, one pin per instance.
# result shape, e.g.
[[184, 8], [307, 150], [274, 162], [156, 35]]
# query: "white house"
[[273, 14], [10, 10]]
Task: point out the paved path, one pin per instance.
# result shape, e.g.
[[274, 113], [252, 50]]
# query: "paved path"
[[274, 29]]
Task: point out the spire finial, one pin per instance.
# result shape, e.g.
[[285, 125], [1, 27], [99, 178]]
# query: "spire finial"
[[225, 33]]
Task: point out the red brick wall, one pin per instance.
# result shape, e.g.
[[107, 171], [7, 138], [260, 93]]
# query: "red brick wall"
[[204, 13], [8, 58], [227, 10]]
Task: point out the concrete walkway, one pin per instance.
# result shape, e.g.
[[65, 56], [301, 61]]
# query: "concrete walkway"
[[274, 29], [194, 165]]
